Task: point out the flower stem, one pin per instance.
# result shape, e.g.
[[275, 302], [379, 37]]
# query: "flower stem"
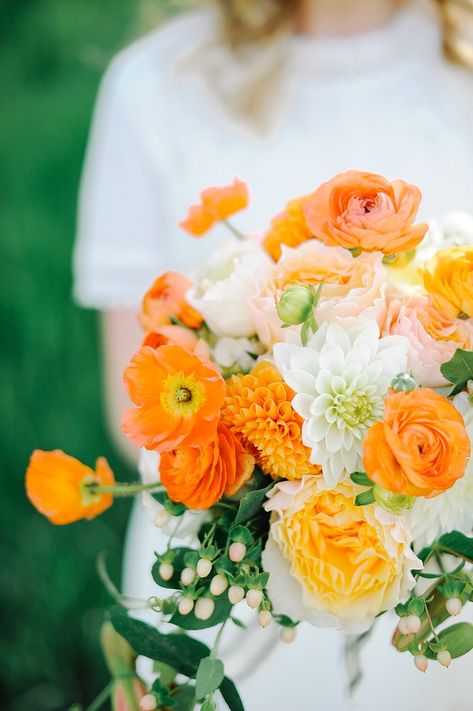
[[123, 488], [235, 232], [102, 697]]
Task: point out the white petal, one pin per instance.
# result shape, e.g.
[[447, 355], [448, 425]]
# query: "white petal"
[[300, 381], [334, 439], [332, 357], [321, 404], [302, 404], [314, 430]]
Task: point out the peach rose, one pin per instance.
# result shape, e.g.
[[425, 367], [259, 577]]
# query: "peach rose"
[[365, 211], [433, 337], [351, 286], [448, 278], [166, 298], [421, 448]]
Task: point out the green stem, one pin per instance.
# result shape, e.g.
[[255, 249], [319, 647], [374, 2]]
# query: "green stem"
[[235, 232], [101, 698], [218, 637], [123, 488], [426, 608]]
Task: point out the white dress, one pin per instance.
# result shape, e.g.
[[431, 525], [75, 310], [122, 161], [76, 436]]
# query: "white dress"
[[386, 102]]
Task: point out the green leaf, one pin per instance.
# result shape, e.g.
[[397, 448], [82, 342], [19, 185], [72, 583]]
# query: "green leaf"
[[416, 606], [251, 504], [191, 622], [458, 639], [459, 369], [184, 697], [365, 498], [241, 534], [208, 705], [457, 544], [162, 694], [361, 478], [231, 695], [178, 564], [210, 675]]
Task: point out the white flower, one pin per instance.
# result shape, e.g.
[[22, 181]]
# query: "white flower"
[[222, 288], [453, 230], [189, 522], [236, 353], [340, 378], [452, 510]]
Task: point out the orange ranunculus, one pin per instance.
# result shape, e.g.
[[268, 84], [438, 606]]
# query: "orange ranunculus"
[[58, 486], [448, 277], [199, 476], [215, 204], [421, 448], [166, 298], [364, 211], [169, 335], [289, 228], [178, 396]]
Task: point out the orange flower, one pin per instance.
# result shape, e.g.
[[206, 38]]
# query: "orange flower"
[[171, 335], [58, 486], [166, 298], [258, 409], [289, 227], [364, 211], [199, 476], [215, 204], [178, 394], [448, 277], [421, 448]]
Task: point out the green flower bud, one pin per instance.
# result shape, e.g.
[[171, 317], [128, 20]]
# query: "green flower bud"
[[296, 304], [391, 501], [403, 382]]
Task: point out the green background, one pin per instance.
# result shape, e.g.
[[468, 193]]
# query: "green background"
[[52, 55]]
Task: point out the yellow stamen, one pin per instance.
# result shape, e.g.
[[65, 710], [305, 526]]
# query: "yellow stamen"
[[182, 395]]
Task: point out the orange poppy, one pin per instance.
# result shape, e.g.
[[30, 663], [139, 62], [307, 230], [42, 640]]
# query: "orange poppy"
[[166, 298], [216, 204], [199, 476], [178, 396], [58, 486], [289, 228]]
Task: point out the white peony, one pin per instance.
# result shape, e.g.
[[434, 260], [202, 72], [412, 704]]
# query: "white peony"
[[340, 379], [224, 284], [452, 510]]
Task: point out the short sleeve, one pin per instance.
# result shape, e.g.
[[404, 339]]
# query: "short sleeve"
[[120, 216]]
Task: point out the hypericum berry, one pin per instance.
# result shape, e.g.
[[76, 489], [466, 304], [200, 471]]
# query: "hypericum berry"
[[254, 597], [413, 623], [236, 594], [166, 571], [403, 626], [288, 634], [148, 702], [188, 576], [204, 608], [444, 657], [204, 567], [186, 605], [237, 551], [454, 606], [161, 518], [421, 662], [218, 585], [264, 618]]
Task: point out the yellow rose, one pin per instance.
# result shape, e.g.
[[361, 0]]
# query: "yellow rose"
[[448, 278], [330, 562]]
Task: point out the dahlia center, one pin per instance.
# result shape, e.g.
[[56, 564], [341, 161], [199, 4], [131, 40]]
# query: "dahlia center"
[[354, 408]]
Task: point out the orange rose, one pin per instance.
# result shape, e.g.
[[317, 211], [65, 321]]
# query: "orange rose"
[[448, 278], [216, 204], [289, 228], [166, 298], [199, 476], [421, 448], [364, 211]]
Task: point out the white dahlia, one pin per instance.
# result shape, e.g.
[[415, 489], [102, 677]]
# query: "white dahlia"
[[340, 379]]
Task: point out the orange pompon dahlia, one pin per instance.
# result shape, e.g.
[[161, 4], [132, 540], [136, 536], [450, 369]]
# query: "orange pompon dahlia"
[[289, 228], [167, 298], [216, 204], [258, 409], [58, 486], [199, 476], [178, 396]]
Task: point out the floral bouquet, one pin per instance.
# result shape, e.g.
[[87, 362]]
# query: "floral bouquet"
[[303, 405]]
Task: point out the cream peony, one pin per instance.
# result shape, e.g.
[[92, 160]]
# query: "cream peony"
[[330, 562], [340, 379], [224, 284], [352, 287]]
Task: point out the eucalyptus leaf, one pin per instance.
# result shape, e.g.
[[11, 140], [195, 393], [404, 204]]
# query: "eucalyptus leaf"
[[459, 369], [210, 675]]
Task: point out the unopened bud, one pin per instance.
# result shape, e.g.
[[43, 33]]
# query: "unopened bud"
[[264, 618], [161, 518], [148, 703], [186, 605], [204, 567], [403, 626], [421, 662], [188, 576], [454, 606], [391, 501], [204, 608], [413, 623], [218, 585], [288, 634], [166, 571], [403, 382], [237, 551], [444, 658], [296, 304], [236, 594], [254, 597]]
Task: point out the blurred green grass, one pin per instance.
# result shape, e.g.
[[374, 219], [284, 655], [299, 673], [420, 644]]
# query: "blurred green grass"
[[52, 55]]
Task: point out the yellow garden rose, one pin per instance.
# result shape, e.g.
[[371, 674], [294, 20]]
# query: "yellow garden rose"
[[332, 563], [448, 278]]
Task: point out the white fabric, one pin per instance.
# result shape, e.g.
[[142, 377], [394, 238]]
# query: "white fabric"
[[385, 101]]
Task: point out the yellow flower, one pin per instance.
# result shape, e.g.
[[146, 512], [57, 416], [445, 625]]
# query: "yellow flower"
[[448, 278], [333, 563]]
